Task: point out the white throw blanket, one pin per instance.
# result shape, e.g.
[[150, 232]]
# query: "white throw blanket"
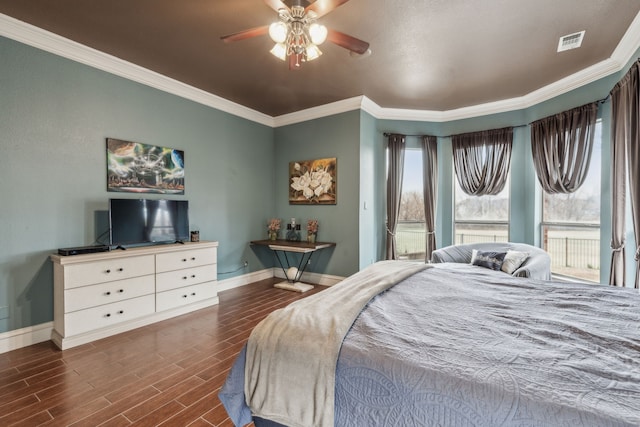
[[292, 354]]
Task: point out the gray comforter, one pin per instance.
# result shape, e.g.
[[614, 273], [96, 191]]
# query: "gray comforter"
[[459, 345], [281, 382]]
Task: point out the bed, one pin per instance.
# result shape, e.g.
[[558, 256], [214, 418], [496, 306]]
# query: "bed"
[[443, 344]]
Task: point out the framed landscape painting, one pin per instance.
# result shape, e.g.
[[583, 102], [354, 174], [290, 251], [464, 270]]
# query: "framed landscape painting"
[[313, 182], [142, 168]]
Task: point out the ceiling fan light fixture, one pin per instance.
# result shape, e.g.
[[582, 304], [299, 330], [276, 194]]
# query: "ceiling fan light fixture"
[[279, 51], [317, 33], [278, 32], [312, 52], [296, 33]]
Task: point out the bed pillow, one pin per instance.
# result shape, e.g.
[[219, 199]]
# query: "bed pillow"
[[474, 252], [491, 260], [513, 260]]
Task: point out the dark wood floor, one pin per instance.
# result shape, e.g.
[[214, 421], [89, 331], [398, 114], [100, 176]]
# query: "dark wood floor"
[[168, 373]]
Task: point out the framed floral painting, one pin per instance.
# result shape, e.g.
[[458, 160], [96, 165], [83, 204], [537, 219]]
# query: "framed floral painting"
[[313, 182]]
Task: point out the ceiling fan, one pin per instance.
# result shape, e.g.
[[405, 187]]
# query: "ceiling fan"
[[297, 35]]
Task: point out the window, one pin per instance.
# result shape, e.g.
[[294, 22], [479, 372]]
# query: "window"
[[481, 218], [410, 233], [571, 223]]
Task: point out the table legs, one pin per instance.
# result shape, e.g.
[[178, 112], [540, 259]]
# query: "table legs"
[[292, 283]]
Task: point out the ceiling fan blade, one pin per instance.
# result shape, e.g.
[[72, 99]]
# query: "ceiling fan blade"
[[348, 42], [322, 7], [276, 5], [246, 34]]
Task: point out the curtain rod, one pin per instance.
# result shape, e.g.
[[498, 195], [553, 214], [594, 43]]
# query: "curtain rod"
[[387, 134], [599, 101]]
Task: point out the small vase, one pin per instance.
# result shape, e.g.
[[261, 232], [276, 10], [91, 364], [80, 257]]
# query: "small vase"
[[311, 238], [273, 235]]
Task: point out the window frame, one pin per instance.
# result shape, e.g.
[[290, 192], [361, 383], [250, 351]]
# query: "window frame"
[[575, 226], [503, 223], [419, 255]]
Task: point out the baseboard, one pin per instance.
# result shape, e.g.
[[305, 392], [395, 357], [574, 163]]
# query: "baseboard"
[[315, 278], [24, 337], [245, 279], [268, 273], [13, 340]]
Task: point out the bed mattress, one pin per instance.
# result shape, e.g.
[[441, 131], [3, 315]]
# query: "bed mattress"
[[460, 345]]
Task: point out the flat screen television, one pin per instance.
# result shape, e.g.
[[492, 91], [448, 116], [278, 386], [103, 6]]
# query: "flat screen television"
[[145, 221]]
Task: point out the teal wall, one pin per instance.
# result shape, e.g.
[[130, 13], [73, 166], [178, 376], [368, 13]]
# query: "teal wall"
[[372, 165], [525, 206], [55, 115], [444, 130], [334, 136]]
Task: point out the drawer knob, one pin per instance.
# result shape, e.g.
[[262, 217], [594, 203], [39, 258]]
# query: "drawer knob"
[[107, 293], [193, 258], [185, 278], [184, 260], [193, 276], [121, 269], [184, 296], [121, 312], [193, 294], [108, 271], [107, 315], [121, 290]]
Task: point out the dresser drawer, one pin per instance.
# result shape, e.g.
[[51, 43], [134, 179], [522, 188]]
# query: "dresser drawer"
[[106, 293], [108, 315], [189, 276], [107, 270], [185, 259], [183, 296]]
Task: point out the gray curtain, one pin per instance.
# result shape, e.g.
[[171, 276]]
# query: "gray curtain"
[[482, 160], [395, 149], [561, 145], [625, 140], [430, 191]]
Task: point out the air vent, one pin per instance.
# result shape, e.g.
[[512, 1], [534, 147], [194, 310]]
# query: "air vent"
[[570, 41]]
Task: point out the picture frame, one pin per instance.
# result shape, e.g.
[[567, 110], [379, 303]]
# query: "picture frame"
[[313, 182], [134, 167]]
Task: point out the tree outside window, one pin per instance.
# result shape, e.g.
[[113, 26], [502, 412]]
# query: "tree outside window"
[[410, 233]]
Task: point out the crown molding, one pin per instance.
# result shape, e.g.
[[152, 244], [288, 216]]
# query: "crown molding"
[[629, 44], [621, 56], [44, 40], [320, 111], [33, 36], [581, 78]]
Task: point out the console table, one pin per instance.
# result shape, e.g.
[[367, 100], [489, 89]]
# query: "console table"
[[292, 274]]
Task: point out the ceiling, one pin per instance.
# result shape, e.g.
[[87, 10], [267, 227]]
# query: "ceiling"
[[433, 55]]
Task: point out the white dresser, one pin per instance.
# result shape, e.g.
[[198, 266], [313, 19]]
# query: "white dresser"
[[102, 294]]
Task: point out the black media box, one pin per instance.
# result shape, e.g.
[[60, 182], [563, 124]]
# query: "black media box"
[[83, 250]]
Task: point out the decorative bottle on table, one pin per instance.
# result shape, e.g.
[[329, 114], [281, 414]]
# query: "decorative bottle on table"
[[292, 231], [312, 230], [273, 228]]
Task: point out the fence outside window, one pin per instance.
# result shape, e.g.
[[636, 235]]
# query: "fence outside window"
[[410, 240], [481, 232], [574, 249]]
